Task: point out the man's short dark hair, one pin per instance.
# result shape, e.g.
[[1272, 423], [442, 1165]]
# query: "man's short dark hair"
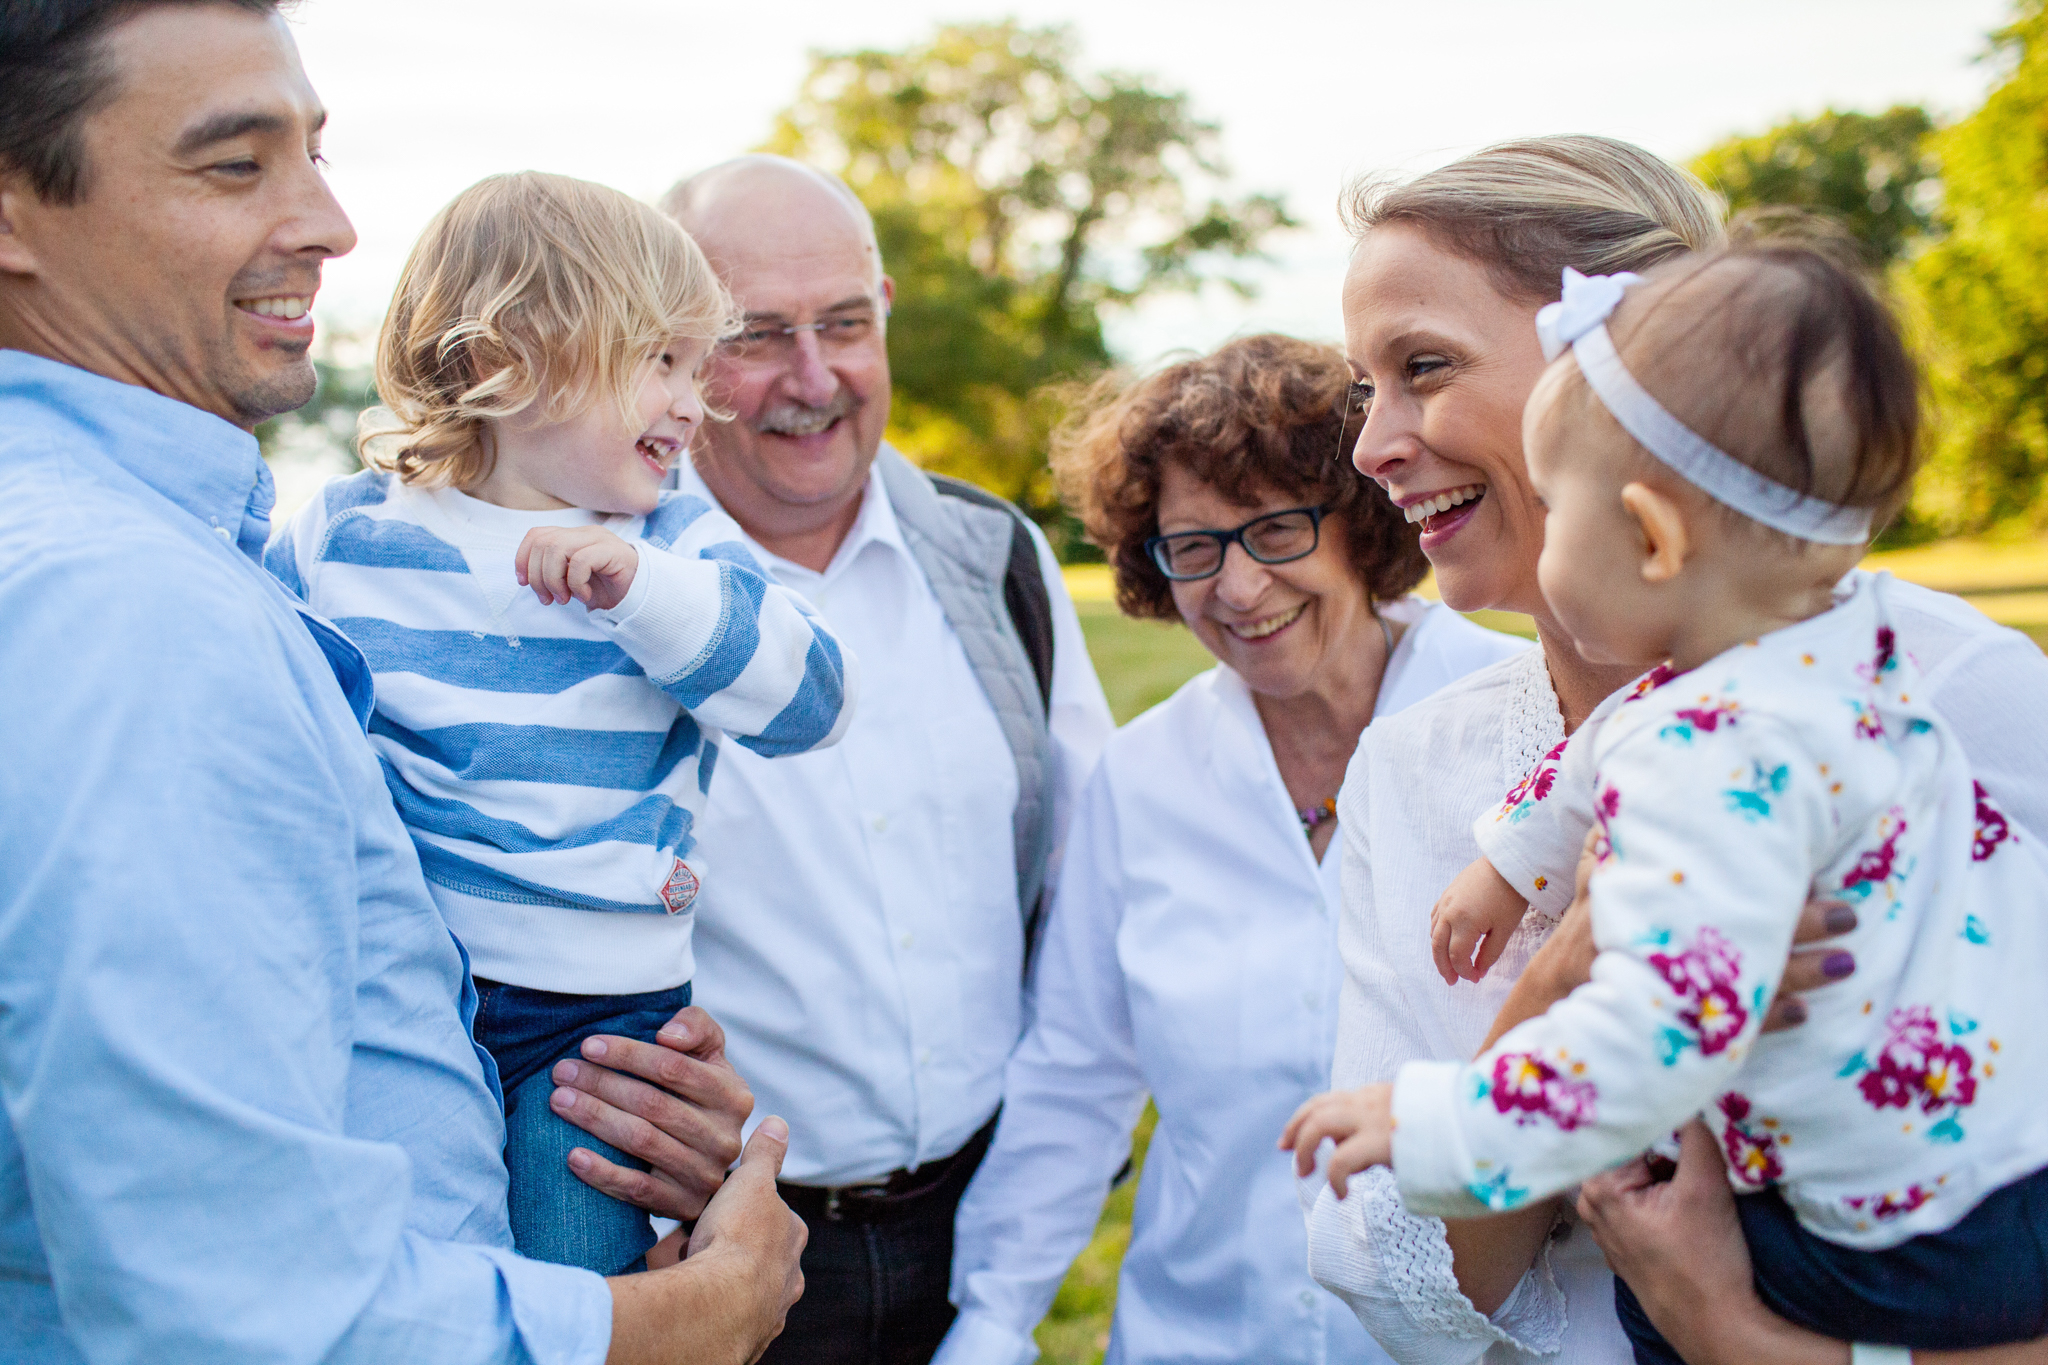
[[54, 74]]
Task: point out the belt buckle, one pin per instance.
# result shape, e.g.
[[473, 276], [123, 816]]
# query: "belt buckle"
[[833, 1195]]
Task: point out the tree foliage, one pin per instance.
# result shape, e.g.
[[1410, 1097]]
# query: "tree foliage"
[[1015, 199], [1979, 295], [1873, 173]]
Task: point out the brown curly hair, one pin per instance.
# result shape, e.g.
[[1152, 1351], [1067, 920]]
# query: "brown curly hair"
[[1256, 418]]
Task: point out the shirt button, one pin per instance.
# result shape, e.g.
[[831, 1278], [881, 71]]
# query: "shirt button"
[[879, 823], [1308, 1298], [924, 1057], [907, 940], [1310, 999]]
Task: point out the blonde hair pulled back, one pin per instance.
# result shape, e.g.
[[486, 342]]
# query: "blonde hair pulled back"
[[1529, 208], [534, 292]]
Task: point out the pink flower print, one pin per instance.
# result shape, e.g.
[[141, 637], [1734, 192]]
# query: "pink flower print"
[[1704, 976], [1915, 1068], [1651, 681], [1530, 1088], [1752, 1155], [1878, 868], [1605, 807], [1869, 724], [1885, 660], [1891, 1204], [1534, 786], [1992, 829], [1706, 718]]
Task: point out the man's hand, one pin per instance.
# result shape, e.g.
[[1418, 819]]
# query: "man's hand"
[[1478, 912], [1362, 1122], [682, 1115], [586, 563], [729, 1298]]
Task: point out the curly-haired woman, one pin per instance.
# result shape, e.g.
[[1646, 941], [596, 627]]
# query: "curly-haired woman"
[[1190, 951]]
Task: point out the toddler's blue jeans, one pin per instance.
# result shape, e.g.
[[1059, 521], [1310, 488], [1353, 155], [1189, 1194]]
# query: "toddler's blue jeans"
[[555, 1216], [1983, 1282]]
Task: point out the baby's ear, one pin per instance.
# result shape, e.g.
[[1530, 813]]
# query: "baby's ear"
[[1666, 542]]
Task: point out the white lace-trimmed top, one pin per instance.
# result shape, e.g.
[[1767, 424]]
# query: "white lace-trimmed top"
[[1414, 788], [1406, 814]]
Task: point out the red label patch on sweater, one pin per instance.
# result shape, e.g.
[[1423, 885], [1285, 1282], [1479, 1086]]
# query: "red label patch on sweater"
[[680, 889]]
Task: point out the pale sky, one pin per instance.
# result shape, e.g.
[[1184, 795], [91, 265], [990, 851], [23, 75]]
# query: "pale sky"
[[427, 96]]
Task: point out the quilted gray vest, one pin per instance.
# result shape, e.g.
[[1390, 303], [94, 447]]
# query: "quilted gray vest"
[[978, 554]]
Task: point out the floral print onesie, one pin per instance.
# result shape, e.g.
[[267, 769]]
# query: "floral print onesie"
[[1799, 763]]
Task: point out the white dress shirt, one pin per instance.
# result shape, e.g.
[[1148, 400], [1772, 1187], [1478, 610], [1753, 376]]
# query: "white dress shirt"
[[1190, 954], [1413, 790], [861, 942]]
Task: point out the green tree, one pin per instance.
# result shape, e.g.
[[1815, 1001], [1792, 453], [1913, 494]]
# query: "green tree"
[[1873, 173], [1979, 299], [1015, 198]]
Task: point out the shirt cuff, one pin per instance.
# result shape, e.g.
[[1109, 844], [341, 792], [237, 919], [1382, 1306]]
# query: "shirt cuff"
[[563, 1315], [978, 1338], [1431, 1167], [636, 594], [1547, 889]]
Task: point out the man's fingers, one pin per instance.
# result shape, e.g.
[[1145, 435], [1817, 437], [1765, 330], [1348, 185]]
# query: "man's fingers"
[[650, 1190], [621, 1105], [1824, 918], [762, 1160], [708, 1082], [695, 1032]]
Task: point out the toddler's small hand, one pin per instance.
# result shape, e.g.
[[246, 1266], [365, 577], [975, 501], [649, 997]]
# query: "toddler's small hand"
[[1477, 912], [1362, 1123], [585, 563]]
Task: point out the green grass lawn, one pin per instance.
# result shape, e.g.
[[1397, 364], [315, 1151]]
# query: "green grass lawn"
[[1141, 663]]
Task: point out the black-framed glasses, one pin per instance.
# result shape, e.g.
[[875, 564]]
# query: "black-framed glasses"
[[1275, 538]]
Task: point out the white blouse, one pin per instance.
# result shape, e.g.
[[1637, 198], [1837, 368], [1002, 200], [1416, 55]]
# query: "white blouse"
[[1409, 801], [1188, 956]]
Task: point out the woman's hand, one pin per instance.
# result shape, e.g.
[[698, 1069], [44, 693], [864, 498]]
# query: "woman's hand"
[[679, 1106], [1679, 1245], [1565, 961]]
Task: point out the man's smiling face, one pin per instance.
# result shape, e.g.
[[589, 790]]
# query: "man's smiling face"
[[189, 262]]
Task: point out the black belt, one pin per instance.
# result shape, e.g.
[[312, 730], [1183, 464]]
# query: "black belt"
[[896, 1195]]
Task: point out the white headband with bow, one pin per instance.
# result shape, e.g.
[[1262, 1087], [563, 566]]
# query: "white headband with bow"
[[1579, 321]]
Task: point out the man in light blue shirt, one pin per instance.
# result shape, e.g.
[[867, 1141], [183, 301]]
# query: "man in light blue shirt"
[[243, 1117]]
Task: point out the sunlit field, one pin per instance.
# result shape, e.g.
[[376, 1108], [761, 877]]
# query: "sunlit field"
[[1142, 662]]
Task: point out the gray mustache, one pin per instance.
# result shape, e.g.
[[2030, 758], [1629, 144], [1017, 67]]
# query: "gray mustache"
[[789, 417]]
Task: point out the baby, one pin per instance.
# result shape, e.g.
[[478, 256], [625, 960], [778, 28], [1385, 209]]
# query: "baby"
[[1710, 470], [558, 644]]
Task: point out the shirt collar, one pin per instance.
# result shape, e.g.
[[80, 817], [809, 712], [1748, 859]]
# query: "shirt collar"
[[208, 467], [876, 524]]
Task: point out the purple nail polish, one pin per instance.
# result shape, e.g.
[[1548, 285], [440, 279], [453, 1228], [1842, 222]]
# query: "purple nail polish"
[[1840, 918], [1837, 965]]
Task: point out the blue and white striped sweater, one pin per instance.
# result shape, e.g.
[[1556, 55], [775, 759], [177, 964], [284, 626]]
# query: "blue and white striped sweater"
[[551, 761]]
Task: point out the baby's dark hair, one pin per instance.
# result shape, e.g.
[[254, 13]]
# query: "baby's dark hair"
[[1778, 350]]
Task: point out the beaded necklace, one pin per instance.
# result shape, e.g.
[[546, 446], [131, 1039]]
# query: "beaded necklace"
[[1311, 816]]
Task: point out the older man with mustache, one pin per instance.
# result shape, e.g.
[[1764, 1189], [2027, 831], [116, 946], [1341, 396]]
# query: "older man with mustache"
[[241, 1115], [865, 940]]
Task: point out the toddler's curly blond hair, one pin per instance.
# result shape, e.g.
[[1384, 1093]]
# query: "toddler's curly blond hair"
[[528, 291]]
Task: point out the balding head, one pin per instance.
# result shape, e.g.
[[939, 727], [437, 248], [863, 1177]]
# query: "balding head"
[[761, 204], [807, 381]]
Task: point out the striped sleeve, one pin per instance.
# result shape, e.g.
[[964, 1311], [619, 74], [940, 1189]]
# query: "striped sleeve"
[[739, 651]]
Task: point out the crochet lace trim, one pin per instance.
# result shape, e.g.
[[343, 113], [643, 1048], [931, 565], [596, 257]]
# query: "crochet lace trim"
[[1533, 726]]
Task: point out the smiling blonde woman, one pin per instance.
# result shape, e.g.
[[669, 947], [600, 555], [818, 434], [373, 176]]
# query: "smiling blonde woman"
[[1190, 953]]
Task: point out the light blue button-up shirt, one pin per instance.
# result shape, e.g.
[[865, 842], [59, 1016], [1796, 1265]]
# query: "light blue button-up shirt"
[[243, 1117]]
